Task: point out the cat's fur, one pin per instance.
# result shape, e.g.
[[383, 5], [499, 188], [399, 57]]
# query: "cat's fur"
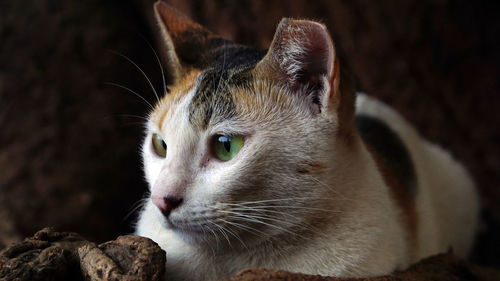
[[327, 182]]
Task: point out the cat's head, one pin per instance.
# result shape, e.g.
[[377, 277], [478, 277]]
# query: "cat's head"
[[245, 145]]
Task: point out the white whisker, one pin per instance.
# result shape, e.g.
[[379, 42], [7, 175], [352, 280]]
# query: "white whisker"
[[160, 65], [140, 69], [132, 91], [232, 233], [221, 229], [222, 72], [248, 229], [255, 219], [276, 200], [215, 235], [288, 207], [137, 205], [134, 116]]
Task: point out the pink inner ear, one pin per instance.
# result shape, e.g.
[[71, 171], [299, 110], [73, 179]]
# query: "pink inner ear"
[[322, 45], [304, 55], [304, 50]]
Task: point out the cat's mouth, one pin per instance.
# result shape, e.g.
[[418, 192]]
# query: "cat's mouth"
[[195, 222]]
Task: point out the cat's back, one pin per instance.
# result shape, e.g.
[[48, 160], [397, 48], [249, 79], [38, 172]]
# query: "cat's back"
[[436, 196]]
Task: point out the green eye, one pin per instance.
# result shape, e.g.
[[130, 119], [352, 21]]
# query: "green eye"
[[159, 145], [226, 147]]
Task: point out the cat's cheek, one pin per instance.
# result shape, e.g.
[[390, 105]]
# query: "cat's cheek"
[[152, 167]]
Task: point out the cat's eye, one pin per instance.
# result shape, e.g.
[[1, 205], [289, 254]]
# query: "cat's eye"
[[226, 147], [159, 145]]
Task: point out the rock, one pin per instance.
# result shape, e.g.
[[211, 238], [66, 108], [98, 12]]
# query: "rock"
[[50, 255], [126, 258]]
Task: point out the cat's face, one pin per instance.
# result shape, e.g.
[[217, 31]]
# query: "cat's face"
[[240, 148]]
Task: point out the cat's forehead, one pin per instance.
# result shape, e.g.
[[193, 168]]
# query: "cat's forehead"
[[227, 69]]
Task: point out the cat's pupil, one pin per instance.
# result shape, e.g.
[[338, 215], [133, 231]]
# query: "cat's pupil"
[[164, 145], [227, 146], [226, 142]]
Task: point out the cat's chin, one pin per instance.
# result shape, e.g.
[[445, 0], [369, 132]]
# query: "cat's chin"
[[203, 239], [192, 237], [187, 235]]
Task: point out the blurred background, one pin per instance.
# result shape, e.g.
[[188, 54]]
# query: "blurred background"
[[69, 142]]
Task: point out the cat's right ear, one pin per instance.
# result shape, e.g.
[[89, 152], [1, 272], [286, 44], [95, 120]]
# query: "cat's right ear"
[[302, 59], [182, 40]]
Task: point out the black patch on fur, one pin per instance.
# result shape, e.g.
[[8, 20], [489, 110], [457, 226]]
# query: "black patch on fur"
[[390, 148], [226, 65]]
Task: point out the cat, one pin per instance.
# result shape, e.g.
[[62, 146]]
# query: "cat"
[[268, 158]]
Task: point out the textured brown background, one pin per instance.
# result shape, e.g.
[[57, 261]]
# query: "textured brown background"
[[69, 151]]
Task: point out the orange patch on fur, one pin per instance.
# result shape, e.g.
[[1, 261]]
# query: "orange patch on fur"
[[177, 92], [264, 102]]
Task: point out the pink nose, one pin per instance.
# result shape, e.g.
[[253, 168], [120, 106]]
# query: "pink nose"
[[166, 204]]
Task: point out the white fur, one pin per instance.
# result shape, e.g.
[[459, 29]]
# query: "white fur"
[[358, 232]]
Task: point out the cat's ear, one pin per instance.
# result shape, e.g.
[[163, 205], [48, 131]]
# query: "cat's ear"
[[302, 58], [183, 40]]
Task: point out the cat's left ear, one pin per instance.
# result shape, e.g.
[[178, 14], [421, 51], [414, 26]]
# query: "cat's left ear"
[[184, 41], [302, 58]]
